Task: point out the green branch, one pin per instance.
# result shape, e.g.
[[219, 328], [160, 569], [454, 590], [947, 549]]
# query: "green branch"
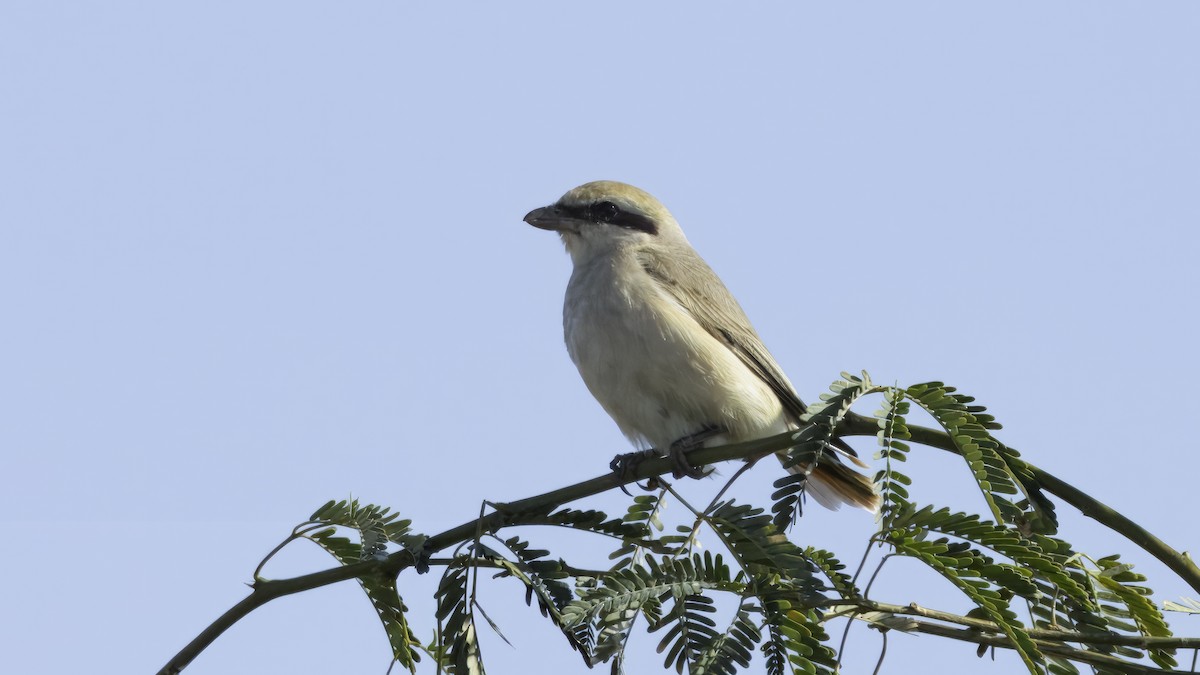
[[1052, 648], [508, 514], [264, 592], [857, 425], [857, 606]]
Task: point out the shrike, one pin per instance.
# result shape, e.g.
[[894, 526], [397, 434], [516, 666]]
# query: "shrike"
[[662, 344]]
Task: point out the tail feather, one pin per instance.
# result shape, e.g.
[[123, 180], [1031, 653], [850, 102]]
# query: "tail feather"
[[832, 483]]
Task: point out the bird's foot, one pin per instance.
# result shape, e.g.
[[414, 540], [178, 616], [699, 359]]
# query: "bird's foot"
[[680, 448], [624, 465]]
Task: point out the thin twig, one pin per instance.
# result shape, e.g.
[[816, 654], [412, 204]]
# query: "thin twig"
[[866, 592], [882, 653], [878, 569], [300, 532]]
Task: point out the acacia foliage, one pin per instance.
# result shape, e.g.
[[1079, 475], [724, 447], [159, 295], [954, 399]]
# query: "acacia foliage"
[[1056, 607]]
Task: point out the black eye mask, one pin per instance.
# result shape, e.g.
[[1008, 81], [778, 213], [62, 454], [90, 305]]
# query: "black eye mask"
[[611, 214]]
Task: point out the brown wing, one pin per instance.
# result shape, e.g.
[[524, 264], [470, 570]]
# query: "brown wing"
[[693, 284]]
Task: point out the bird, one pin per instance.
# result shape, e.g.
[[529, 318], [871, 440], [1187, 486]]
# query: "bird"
[[663, 345]]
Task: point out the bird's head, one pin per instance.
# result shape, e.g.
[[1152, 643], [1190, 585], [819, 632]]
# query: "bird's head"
[[602, 216]]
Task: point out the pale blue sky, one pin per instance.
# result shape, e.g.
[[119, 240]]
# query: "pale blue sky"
[[254, 256]]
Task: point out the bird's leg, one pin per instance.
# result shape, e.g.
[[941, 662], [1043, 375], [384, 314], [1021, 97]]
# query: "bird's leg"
[[624, 465], [680, 448]]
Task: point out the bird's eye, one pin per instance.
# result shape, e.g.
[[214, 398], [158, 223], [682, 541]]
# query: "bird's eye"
[[605, 212]]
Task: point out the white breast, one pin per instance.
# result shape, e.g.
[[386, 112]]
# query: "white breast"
[[656, 372]]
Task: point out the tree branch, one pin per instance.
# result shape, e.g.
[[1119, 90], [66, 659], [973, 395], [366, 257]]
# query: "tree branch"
[[857, 425], [982, 632], [859, 605], [507, 514], [266, 591], [1055, 649]]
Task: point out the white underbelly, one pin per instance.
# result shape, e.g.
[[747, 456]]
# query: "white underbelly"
[[659, 375]]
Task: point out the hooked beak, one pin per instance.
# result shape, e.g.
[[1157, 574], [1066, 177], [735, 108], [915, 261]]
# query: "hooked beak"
[[551, 218]]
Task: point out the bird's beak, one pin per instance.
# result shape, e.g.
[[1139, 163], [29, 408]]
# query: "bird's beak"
[[551, 218]]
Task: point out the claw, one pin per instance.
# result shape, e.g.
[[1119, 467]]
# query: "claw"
[[624, 465], [680, 467], [680, 448]]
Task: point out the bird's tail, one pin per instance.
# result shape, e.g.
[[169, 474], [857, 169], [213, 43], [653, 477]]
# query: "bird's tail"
[[832, 483]]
